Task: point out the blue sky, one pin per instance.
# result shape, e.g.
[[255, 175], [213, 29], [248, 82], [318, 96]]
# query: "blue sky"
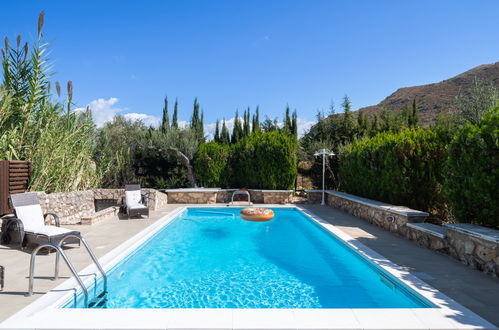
[[125, 56]]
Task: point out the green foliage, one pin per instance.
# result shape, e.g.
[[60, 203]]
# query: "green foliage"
[[129, 152], [237, 131], [197, 122], [224, 135], [212, 164], [472, 104], [175, 115], [266, 161], [472, 181], [165, 122], [57, 140], [404, 168]]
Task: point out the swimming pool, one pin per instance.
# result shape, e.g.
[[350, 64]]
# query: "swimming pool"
[[211, 258], [310, 243]]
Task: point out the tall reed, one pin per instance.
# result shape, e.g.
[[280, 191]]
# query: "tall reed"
[[35, 126]]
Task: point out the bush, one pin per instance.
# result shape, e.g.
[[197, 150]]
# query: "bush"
[[403, 168], [266, 161], [473, 172], [212, 165], [262, 160]]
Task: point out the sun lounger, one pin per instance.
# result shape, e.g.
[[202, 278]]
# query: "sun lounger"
[[29, 223], [135, 201]]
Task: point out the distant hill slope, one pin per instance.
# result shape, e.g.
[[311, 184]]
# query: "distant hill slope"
[[437, 98]]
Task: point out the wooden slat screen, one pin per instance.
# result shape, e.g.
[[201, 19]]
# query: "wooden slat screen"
[[14, 179]]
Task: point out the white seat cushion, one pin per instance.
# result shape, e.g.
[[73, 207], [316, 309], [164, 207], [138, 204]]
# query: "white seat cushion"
[[133, 198], [49, 230], [31, 216], [136, 206]]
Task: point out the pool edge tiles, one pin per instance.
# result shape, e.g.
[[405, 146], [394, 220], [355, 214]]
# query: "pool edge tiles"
[[45, 314]]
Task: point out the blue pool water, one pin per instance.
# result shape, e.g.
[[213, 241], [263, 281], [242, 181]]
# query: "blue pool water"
[[211, 258]]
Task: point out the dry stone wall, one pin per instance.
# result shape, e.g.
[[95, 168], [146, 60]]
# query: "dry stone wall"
[[214, 195], [475, 246], [73, 207]]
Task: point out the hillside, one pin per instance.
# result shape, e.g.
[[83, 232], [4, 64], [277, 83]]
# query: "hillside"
[[437, 98]]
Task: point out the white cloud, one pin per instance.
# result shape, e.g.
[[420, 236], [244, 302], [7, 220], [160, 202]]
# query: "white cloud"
[[304, 126], [147, 120], [103, 110]]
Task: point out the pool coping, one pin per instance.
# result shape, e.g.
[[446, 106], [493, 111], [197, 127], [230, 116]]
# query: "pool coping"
[[44, 313]]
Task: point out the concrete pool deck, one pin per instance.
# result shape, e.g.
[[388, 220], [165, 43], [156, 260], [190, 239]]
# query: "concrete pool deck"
[[471, 288]]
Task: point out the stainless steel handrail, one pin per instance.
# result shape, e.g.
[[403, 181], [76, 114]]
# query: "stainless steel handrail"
[[59, 250], [92, 255]]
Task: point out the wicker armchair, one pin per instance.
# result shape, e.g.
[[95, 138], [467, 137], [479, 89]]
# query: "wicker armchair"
[[135, 201]]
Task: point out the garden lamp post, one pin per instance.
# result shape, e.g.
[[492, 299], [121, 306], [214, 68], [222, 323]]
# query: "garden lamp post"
[[324, 153]]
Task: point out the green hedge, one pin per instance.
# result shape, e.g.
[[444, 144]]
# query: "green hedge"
[[263, 160], [404, 168], [472, 182], [212, 164]]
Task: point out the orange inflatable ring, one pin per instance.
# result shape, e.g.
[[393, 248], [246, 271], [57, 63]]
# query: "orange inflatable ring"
[[256, 214]]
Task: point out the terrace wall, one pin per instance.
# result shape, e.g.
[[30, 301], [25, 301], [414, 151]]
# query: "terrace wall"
[[217, 195], [79, 206], [475, 246]]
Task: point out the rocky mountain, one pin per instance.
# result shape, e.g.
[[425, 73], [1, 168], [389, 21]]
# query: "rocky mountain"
[[437, 98]]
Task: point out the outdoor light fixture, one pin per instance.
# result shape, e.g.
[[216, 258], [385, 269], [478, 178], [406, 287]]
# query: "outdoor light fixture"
[[324, 153]]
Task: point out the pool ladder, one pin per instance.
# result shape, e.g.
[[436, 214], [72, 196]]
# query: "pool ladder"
[[100, 298]]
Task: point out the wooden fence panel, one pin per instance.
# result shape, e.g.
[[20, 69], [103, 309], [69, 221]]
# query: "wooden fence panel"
[[14, 179]]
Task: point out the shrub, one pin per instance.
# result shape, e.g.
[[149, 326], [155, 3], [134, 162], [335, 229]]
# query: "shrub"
[[404, 168], [261, 160], [473, 172], [266, 161], [212, 164]]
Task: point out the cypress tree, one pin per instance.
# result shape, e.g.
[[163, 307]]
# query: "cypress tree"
[[287, 122], [197, 122], [256, 121], [294, 123], [165, 123], [200, 129], [348, 123], [414, 115], [216, 138], [224, 136], [246, 126], [237, 132], [175, 115]]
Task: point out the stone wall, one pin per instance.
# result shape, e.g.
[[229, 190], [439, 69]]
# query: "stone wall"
[[475, 246], [157, 200], [215, 195], [429, 236], [192, 196], [72, 207], [390, 217], [69, 206]]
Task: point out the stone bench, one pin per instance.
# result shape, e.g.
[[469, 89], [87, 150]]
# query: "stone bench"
[[428, 235], [100, 215], [475, 246], [390, 217]]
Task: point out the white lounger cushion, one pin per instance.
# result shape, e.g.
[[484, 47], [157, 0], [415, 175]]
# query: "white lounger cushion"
[[50, 230], [133, 199], [137, 206], [31, 216]]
